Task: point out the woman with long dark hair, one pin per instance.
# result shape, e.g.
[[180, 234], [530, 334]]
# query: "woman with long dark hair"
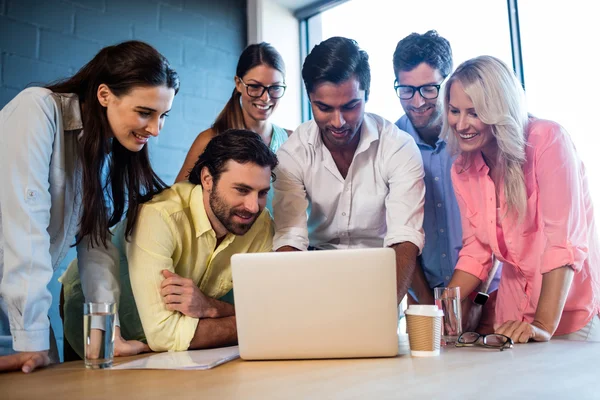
[[259, 85], [74, 162]]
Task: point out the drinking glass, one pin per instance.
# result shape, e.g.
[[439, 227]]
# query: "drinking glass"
[[99, 334], [448, 300]]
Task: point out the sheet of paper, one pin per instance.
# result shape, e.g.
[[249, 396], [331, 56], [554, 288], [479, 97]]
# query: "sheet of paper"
[[192, 359]]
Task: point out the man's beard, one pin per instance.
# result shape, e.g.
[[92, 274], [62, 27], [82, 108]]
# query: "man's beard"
[[225, 214]]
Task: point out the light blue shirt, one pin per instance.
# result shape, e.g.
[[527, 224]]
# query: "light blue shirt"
[[278, 137], [40, 207], [441, 223]]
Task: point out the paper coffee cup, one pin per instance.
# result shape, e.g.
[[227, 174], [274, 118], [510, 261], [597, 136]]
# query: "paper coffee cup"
[[424, 324]]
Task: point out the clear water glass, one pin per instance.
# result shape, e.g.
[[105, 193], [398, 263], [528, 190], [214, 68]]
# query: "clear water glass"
[[99, 334]]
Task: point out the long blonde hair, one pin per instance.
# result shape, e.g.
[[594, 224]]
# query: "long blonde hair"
[[499, 101]]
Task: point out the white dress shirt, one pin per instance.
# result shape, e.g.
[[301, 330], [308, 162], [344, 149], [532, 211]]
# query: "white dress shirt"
[[40, 207], [380, 203]]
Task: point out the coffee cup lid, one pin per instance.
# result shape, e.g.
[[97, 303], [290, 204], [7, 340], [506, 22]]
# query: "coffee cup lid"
[[424, 310]]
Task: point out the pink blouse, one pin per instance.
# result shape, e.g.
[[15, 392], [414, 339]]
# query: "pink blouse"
[[558, 229]]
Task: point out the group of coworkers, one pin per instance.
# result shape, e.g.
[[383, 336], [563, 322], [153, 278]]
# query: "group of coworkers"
[[468, 188]]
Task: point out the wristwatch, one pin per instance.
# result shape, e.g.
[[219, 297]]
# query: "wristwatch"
[[479, 298]]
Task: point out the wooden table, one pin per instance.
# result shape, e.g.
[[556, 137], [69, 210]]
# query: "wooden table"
[[553, 370]]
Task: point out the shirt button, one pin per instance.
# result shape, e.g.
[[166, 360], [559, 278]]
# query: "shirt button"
[[344, 214], [442, 230], [437, 178], [439, 205], [443, 255], [447, 278]]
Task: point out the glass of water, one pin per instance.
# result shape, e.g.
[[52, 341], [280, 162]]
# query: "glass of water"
[[448, 300], [99, 334]]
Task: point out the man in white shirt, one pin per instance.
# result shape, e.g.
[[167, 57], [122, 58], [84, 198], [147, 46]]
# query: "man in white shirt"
[[348, 179]]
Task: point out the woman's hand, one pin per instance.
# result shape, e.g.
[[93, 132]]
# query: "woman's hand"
[[25, 361], [522, 332], [125, 348]]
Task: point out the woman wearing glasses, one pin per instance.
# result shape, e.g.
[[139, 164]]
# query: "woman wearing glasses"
[[523, 196], [259, 84]]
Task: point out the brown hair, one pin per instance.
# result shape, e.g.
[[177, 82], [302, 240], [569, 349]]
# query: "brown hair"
[[254, 55], [130, 179]]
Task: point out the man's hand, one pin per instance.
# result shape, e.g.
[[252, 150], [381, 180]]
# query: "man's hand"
[[125, 348], [25, 361], [181, 294], [522, 332]]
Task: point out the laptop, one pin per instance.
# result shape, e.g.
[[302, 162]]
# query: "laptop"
[[316, 304]]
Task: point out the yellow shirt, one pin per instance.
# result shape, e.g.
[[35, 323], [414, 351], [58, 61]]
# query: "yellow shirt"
[[173, 232]]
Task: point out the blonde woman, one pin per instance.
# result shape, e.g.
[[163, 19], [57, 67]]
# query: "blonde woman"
[[523, 196]]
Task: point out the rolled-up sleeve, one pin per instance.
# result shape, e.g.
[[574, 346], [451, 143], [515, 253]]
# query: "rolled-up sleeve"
[[560, 178], [28, 128], [290, 204], [406, 199], [99, 271], [475, 257], [150, 251]]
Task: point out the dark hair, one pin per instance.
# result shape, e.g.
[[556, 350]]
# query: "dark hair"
[[429, 48], [336, 60], [254, 55], [240, 145], [130, 179]]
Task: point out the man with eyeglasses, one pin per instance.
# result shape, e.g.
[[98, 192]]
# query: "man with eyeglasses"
[[348, 179], [421, 64]]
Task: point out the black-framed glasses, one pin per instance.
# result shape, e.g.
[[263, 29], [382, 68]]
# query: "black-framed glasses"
[[255, 90], [491, 341], [406, 92]]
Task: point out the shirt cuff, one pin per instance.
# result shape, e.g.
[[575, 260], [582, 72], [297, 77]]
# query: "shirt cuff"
[[472, 266], [556, 257], [176, 339], [291, 237], [31, 340], [405, 235]]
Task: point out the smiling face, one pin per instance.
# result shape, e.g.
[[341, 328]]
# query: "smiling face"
[[237, 198], [137, 115], [422, 113], [259, 109], [471, 133], [338, 111]]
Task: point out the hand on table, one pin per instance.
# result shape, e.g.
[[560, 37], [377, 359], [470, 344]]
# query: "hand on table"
[[124, 348], [181, 294], [522, 332], [26, 361]]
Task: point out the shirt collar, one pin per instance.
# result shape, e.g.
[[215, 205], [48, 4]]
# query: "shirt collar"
[[476, 160], [407, 126], [369, 133], [480, 164], [71, 111], [201, 221]]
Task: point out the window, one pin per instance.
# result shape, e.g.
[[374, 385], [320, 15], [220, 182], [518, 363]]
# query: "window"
[[471, 28], [560, 76]]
